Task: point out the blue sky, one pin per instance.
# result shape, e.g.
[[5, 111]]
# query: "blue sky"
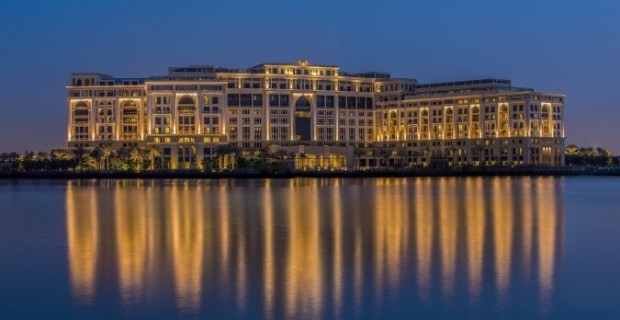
[[562, 46]]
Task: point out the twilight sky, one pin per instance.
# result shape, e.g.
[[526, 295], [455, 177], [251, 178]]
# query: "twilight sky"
[[570, 46]]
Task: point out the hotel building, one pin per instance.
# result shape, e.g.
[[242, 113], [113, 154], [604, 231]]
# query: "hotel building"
[[326, 118]]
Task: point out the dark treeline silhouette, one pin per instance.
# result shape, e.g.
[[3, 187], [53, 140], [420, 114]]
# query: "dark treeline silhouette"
[[589, 156], [106, 158]]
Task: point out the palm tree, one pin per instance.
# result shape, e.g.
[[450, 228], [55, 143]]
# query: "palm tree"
[[84, 159], [62, 154], [97, 154], [571, 149], [79, 153], [105, 152], [87, 162], [136, 156], [153, 151], [122, 159]]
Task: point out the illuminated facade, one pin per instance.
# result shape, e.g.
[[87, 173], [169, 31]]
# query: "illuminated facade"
[[329, 119]]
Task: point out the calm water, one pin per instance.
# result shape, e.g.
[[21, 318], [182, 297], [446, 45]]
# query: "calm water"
[[512, 248]]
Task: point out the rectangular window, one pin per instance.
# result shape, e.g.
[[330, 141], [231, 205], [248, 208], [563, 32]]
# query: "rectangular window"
[[246, 100], [320, 101], [329, 101], [273, 100], [284, 100], [233, 100], [257, 100]]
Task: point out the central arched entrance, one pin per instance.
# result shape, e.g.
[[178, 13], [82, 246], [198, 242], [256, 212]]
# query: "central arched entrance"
[[303, 129]]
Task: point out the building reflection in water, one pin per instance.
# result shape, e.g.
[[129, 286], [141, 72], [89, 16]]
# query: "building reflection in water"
[[269, 262], [547, 222], [424, 233], [130, 220], [82, 241], [187, 230], [474, 228], [304, 258], [447, 234], [307, 248], [502, 232]]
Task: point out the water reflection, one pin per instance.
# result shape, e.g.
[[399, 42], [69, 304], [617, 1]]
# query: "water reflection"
[[131, 233], [503, 203], [475, 225], [310, 248], [187, 232], [82, 238]]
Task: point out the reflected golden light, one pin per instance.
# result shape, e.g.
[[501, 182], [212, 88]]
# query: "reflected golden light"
[[224, 233], [358, 265], [527, 225], [502, 232], [82, 238], [241, 275], [155, 233], [447, 235], [475, 224], [269, 254], [304, 292], [424, 227], [547, 229], [338, 282], [131, 241], [187, 232], [390, 232]]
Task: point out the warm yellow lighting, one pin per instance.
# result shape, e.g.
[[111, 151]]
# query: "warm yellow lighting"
[[82, 240]]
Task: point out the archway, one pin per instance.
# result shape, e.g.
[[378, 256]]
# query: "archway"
[[303, 128]]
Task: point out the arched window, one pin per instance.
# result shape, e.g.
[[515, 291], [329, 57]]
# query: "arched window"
[[186, 100], [186, 105], [81, 104], [129, 103], [81, 109], [302, 104], [130, 108]]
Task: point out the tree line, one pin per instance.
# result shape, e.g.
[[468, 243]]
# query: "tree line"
[[589, 156], [225, 157], [107, 158]]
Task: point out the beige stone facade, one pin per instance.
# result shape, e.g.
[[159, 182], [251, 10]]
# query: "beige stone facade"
[[331, 119]]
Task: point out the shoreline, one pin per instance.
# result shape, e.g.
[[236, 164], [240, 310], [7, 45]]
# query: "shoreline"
[[247, 174]]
